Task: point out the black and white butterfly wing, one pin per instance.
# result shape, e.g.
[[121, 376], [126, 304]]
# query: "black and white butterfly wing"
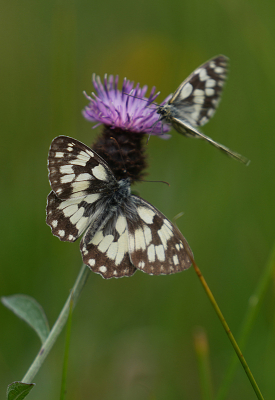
[[107, 252], [195, 102], [136, 236], [80, 180], [197, 98], [156, 246], [187, 129], [75, 170]]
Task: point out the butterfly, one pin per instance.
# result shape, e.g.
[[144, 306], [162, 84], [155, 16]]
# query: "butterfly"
[[122, 231], [195, 102]]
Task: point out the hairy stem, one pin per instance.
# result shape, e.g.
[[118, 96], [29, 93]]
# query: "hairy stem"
[[58, 326]]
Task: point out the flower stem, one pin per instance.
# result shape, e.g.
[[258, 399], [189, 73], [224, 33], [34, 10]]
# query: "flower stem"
[[58, 326], [254, 306], [227, 330]]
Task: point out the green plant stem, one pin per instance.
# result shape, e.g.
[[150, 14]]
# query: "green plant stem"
[[66, 354], [227, 330], [58, 326], [255, 303]]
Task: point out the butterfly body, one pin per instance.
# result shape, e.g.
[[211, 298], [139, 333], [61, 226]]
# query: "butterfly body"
[[122, 232], [195, 102]]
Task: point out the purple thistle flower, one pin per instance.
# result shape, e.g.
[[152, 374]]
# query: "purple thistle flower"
[[115, 109]]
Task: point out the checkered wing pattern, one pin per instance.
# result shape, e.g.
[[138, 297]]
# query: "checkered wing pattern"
[[122, 232], [199, 95], [156, 246], [80, 180], [195, 102]]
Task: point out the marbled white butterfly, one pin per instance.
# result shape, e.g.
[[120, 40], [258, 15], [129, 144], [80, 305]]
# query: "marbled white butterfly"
[[122, 232], [195, 102]]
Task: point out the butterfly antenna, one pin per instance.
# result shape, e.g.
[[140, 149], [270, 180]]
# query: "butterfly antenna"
[[142, 180], [140, 98]]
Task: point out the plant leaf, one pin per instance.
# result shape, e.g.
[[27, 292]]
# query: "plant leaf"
[[28, 309], [19, 390]]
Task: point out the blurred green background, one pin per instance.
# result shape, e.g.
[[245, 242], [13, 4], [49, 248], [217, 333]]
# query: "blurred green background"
[[132, 338]]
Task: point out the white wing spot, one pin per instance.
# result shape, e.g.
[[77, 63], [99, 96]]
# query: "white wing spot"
[[67, 178], [198, 92], [121, 224], [139, 239], [186, 91], [90, 153], [77, 215], [210, 112], [203, 120], [122, 248], [59, 154], [80, 186], [175, 259], [66, 169], [219, 70], [160, 252], [210, 83], [168, 223], [203, 75], [76, 161], [141, 264], [198, 100], [100, 173], [177, 247], [81, 224], [147, 234], [83, 177], [102, 269], [71, 237], [209, 92], [70, 210], [61, 233], [91, 198], [146, 214], [54, 223], [91, 262], [105, 243], [151, 253], [112, 251], [97, 238]]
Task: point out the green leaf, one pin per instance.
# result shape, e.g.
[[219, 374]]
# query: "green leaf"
[[18, 390], [30, 311]]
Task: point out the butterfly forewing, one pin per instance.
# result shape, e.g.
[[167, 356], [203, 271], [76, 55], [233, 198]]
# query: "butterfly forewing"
[[156, 246], [199, 95], [75, 170]]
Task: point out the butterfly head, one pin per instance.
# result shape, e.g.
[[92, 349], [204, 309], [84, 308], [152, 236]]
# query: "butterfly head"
[[165, 113]]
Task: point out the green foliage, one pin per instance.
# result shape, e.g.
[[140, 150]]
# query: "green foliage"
[[28, 309], [18, 390]]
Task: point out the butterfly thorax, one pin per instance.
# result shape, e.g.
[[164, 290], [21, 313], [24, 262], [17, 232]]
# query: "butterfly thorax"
[[165, 112], [120, 193]]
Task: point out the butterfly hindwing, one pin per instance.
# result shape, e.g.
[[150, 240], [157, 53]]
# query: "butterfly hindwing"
[[156, 246], [107, 252], [69, 218]]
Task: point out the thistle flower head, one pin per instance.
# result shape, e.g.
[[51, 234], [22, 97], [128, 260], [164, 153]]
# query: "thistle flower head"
[[116, 109]]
